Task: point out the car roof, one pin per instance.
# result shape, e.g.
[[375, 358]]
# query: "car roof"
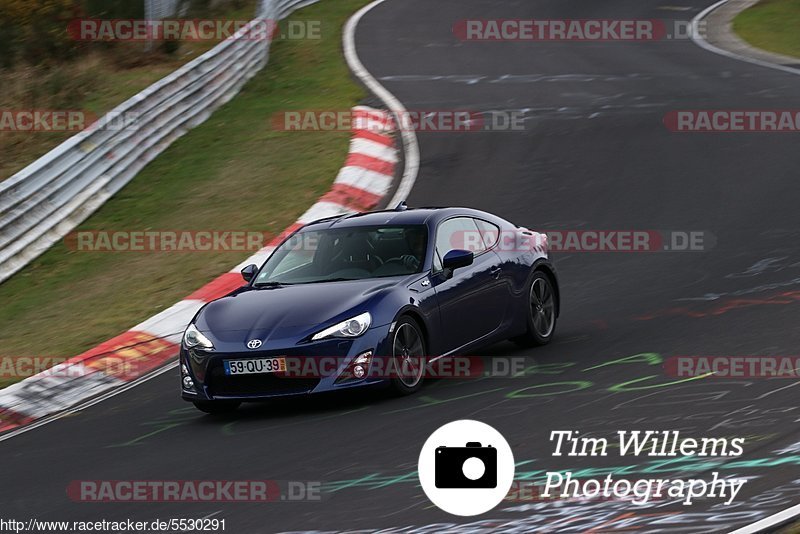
[[394, 217]]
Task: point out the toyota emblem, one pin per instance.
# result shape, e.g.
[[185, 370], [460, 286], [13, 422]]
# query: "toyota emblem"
[[253, 343]]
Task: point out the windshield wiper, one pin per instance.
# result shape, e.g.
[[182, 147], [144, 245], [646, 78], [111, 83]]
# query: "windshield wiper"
[[333, 280], [270, 284]]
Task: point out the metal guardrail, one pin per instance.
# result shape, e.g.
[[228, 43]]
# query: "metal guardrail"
[[46, 200]]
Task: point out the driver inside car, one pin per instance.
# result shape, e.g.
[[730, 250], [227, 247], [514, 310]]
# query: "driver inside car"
[[416, 247]]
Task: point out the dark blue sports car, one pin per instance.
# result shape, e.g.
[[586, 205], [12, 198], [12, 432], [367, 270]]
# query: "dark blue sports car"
[[368, 299]]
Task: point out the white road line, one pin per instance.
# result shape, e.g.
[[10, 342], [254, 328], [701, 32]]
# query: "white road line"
[[771, 521], [410, 144]]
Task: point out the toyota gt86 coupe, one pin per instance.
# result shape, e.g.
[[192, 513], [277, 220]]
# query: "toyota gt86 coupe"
[[365, 293]]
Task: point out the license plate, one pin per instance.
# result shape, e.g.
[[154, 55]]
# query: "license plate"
[[257, 366]]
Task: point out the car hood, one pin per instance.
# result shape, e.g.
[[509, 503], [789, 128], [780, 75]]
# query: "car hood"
[[289, 311]]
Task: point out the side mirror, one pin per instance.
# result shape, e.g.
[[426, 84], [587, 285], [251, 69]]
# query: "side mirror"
[[457, 258], [249, 272]]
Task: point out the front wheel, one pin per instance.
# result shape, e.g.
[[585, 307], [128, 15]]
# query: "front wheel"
[[408, 356], [217, 407], [541, 311]]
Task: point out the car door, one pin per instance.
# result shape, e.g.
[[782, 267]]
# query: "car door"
[[472, 302]]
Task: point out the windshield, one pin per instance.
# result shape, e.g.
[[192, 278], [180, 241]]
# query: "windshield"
[[337, 254]]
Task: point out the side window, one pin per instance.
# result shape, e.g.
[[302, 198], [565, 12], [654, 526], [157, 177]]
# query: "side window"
[[490, 232], [459, 233]]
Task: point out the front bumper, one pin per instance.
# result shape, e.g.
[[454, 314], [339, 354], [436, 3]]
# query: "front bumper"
[[314, 367]]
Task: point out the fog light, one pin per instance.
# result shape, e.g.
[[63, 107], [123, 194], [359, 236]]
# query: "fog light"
[[188, 383], [184, 370], [357, 369]]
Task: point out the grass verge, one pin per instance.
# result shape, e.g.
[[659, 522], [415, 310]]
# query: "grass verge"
[[232, 173], [772, 25]]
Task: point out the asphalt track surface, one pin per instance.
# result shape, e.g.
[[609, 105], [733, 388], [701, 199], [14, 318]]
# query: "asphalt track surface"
[[594, 155]]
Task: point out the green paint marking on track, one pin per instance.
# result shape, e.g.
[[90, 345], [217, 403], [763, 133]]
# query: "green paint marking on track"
[[650, 358], [576, 385], [161, 425], [396, 480], [622, 386], [344, 484]]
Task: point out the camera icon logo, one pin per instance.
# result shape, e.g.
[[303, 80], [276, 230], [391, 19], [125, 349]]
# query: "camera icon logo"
[[472, 466], [466, 467]]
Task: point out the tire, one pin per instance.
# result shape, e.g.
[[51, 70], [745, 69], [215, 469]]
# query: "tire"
[[217, 407], [408, 335], [541, 311]]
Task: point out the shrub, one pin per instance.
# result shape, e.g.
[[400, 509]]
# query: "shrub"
[[36, 30]]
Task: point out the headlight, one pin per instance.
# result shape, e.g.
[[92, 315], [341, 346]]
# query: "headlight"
[[350, 328], [195, 338]]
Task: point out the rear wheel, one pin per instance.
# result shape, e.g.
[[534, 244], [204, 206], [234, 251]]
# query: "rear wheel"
[[217, 407], [541, 311], [408, 356]]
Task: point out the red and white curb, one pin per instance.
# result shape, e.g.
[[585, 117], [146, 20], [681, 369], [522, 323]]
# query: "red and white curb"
[[362, 183]]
